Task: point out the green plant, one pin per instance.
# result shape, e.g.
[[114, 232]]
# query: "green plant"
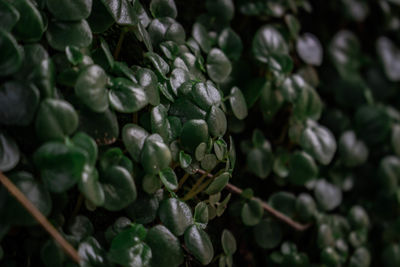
[[118, 120]]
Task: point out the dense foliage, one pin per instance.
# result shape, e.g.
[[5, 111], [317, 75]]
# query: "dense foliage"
[[119, 121]]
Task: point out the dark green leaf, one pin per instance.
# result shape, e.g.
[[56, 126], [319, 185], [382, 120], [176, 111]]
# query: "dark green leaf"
[[163, 8], [218, 65], [9, 16], [302, 168], [155, 155], [126, 96], [228, 242], [218, 184], [199, 244], [134, 137], [267, 233], [158, 63], [56, 119], [389, 55], [175, 215], [122, 11], [11, 54], [238, 103], [92, 254], [193, 133], [165, 247], [63, 34], [30, 25], [252, 212], [184, 159], [169, 179], [69, 10], [119, 188], [230, 43], [353, 152]]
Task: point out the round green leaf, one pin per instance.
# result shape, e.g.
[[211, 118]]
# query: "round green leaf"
[[252, 212], [90, 186], [199, 244], [87, 144], [228, 242], [267, 233], [155, 155], [55, 120], [100, 19], [309, 49], [216, 121], [238, 103], [178, 77], [352, 151], [230, 43], [90, 88], [30, 25], [11, 54], [148, 80], [209, 162], [122, 11], [158, 63], [305, 206], [60, 166], [126, 96], [284, 202], [134, 137], [319, 142], [144, 209], [128, 249], [169, 179], [218, 65], [119, 188], [184, 159], [69, 10], [205, 95], [80, 227], [218, 184], [221, 9], [175, 215], [165, 247], [328, 196], [18, 103], [160, 123], [51, 254], [63, 34], [163, 8], [302, 168], [201, 214], [103, 127], [200, 34], [193, 133], [270, 47], [260, 160], [9, 153]]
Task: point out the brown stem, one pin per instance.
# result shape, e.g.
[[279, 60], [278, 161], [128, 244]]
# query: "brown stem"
[[277, 214], [183, 180], [192, 191], [70, 250], [119, 44]]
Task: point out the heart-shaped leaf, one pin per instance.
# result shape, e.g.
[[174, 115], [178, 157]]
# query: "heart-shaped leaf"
[[126, 96], [268, 233], [218, 65], [238, 103], [252, 212], [63, 34], [193, 133], [55, 120], [90, 88], [134, 137], [169, 179], [328, 195], [155, 155], [60, 166], [309, 49], [30, 25]]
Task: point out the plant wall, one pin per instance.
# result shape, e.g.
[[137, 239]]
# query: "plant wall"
[[190, 133]]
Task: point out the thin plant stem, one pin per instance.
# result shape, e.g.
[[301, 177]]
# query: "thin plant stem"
[[183, 180], [119, 44], [42, 220], [195, 186], [277, 214]]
